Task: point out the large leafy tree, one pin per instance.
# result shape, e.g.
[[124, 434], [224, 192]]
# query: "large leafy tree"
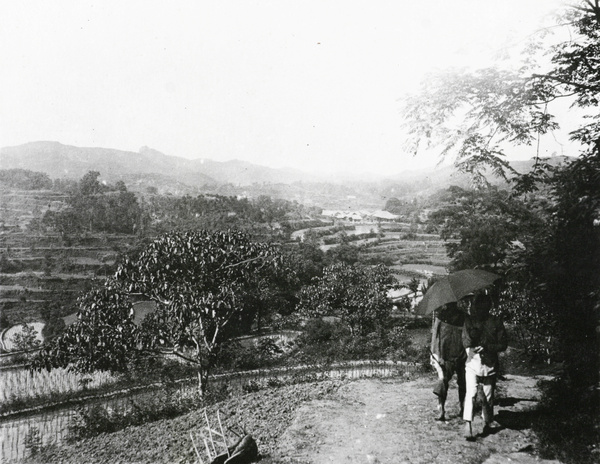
[[475, 117], [90, 185], [207, 287], [481, 226], [356, 294], [104, 337], [559, 266], [96, 207]]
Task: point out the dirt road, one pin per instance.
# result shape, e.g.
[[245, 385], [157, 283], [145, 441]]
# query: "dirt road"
[[387, 421]]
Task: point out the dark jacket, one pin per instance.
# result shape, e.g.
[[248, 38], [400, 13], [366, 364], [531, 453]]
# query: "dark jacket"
[[446, 338]]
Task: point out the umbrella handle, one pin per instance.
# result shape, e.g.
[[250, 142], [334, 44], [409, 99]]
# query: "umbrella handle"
[[434, 358]]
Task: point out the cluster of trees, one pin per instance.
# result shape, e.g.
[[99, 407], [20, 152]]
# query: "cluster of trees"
[[208, 288], [482, 225], [98, 207], [407, 208], [218, 212], [542, 233], [94, 207], [25, 179]]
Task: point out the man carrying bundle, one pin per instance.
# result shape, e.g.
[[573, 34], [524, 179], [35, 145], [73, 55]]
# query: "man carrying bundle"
[[484, 336]]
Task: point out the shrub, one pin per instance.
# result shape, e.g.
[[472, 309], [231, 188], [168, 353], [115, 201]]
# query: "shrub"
[[274, 382], [324, 342], [89, 422], [399, 346], [54, 323], [234, 356], [568, 424], [26, 339], [251, 386], [164, 404], [530, 323]]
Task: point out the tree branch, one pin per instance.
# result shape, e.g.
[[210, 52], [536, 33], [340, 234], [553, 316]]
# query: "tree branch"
[[214, 339], [594, 9], [241, 262], [566, 82], [175, 353]]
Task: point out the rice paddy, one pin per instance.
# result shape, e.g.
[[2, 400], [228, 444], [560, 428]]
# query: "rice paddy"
[[21, 386]]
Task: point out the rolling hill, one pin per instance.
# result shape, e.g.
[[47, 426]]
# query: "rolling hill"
[[67, 161], [175, 175]]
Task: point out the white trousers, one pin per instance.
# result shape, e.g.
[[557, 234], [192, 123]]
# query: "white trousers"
[[488, 383]]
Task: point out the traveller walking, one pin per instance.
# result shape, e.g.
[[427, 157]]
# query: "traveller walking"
[[448, 354], [484, 336]]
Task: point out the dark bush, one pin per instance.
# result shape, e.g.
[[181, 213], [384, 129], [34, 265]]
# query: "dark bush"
[[322, 342], [234, 356], [328, 342], [568, 424], [9, 266]]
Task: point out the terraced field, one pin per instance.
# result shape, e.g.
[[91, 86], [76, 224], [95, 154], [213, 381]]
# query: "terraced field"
[[38, 270]]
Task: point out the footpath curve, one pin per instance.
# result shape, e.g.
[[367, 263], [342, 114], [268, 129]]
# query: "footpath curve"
[[388, 421]]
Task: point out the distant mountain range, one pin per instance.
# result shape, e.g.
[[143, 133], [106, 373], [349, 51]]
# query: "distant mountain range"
[[176, 175], [66, 161]]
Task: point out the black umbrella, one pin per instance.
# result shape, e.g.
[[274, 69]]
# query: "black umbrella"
[[453, 287]]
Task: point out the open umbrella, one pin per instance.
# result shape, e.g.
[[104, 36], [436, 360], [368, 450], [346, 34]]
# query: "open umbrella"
[[453, 287]]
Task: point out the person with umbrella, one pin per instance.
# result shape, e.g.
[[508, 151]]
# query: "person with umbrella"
[[450, 290], [484, 336], [448, 354]]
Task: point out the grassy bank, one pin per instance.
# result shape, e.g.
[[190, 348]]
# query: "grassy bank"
[[265, 414]]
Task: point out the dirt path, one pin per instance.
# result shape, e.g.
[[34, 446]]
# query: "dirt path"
[[388, 421]]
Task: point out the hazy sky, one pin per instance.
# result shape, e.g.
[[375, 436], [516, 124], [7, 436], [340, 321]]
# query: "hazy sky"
[[305, 84]]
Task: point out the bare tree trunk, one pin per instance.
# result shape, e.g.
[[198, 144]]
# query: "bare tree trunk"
[[202, 380]]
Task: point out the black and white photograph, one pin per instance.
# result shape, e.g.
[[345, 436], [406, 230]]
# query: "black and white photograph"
[[300, 232]]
